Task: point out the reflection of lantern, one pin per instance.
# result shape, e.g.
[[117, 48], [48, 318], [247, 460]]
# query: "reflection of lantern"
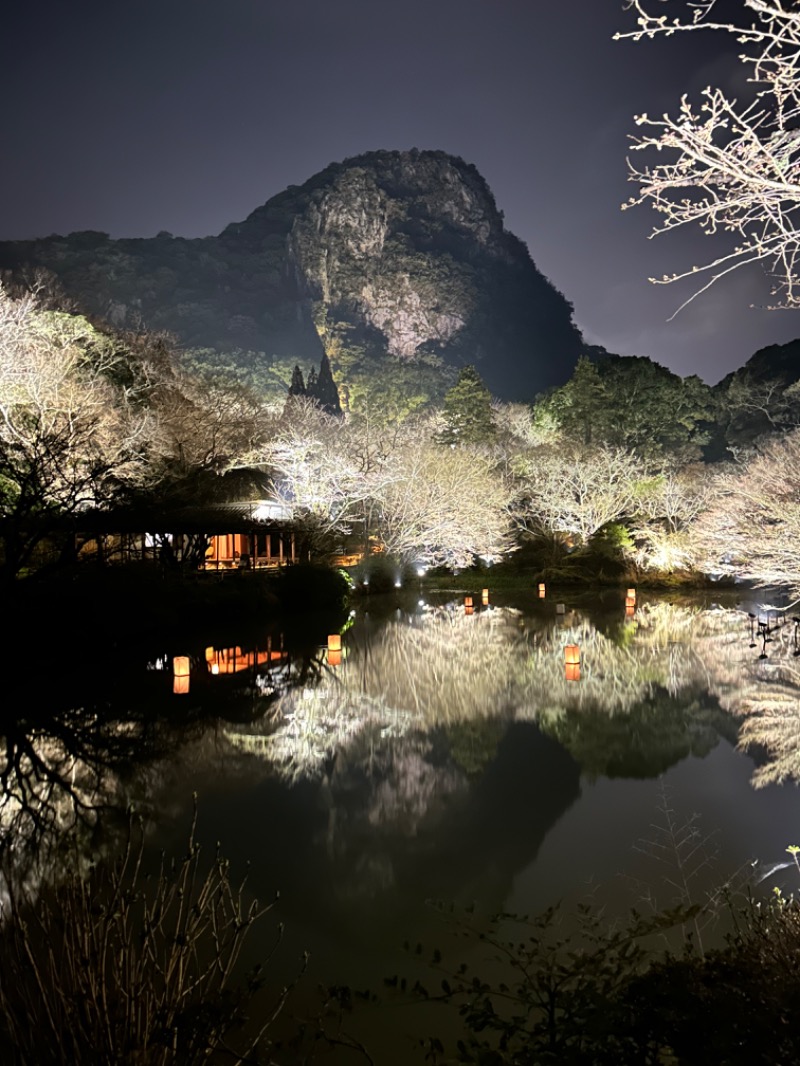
[[541, 592], [485, 597], [572, 654], [468, 608], [335, 642], [572, 672], [180, 670], [334, 658], [630, 609]]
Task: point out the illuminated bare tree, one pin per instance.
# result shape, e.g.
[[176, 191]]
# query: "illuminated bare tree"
[[578, 490], [443, 506], [669, 505], [726, 165], [69, 432], [752, 526], [324, 470]]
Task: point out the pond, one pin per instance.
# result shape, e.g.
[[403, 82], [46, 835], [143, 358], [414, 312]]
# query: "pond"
[[443, 754]]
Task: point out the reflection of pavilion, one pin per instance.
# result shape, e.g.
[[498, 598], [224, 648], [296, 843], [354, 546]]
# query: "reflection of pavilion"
[[234, 660]]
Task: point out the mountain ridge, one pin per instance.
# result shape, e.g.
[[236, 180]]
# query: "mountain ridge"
[[388, 258]]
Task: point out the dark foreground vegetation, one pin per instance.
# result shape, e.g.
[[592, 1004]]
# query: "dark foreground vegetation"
[[128, 965]]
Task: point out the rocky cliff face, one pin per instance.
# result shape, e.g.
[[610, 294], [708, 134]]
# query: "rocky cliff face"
[[397, 256]]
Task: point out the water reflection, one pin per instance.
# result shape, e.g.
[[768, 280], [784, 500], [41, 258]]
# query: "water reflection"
[[408, 724]]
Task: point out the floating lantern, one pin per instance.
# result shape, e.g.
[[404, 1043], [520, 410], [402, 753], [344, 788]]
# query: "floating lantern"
[[468, 608], [180, 670], [630, 610], [630, 604], [572, 672], [485, 597], [630, 595], [572, 655], [541, 591], [335, 642]]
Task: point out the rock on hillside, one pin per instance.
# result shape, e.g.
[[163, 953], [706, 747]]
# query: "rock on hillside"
[[398, 256]]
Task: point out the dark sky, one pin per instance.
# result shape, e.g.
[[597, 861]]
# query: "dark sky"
[[185, 115]]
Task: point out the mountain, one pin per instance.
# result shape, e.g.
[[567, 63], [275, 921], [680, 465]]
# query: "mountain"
[[390, 261]]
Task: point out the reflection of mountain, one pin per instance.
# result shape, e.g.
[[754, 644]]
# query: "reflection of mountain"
[[395, 821]]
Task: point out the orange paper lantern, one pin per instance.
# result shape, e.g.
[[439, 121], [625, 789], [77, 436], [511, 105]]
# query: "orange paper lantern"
[[485, 597], [180, 670], [335, 642], [541, 592], [572, 654], [334, 658], [631, 595], [572, 672]]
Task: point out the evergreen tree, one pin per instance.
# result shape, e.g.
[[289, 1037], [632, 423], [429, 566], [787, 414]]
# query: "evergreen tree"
[[298, 386], [325, 392], [468, 411]]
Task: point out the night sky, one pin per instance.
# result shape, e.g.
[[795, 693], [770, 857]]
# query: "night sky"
[[185, 115]]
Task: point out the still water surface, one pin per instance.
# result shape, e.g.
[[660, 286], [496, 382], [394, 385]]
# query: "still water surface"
[[444, 755]]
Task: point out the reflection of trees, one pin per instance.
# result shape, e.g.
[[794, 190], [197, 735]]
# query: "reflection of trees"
[[58, 774], [441, 671], [763, 692]]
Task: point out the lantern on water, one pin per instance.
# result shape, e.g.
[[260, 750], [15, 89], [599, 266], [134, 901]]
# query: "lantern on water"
[[630, 602], [334, 658], [335, 642], [485, 597], [468, 608], [180, 671], [572, 672], [572, 655], [541, 591], [630, 595]]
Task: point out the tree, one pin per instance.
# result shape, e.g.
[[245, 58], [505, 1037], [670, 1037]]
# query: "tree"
[[752, 526], [634, 404], [323, 389], [442, 507], [577, 491], [725, 165], [315, 470], [468, 410], [70, 431]]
